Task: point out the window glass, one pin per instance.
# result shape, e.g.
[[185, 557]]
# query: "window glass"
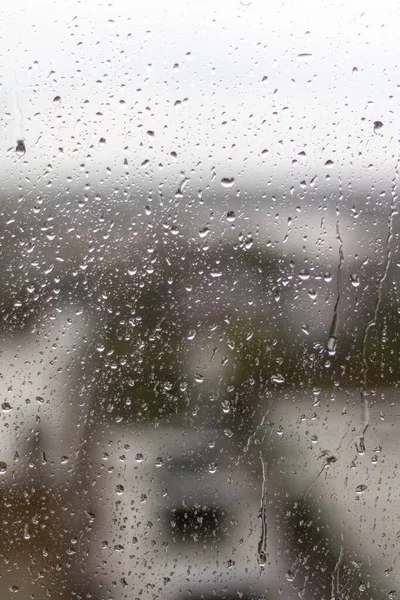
[[199, 304]]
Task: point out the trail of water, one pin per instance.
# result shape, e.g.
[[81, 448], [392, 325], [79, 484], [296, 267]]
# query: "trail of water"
[[262, 544], [333, 332], [372, 323]]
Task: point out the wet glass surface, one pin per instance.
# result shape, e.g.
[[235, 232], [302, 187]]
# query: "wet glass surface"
[[199, 304]]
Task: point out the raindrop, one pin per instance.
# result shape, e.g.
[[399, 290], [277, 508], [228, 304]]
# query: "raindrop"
[[355, 282], [360, 489], [289, 575], [226, 407], [212, 468], [331, 346], [6, 407], [327, 277], [329, 163], [312, 294], [139, 457], [20, 148], [377, 126], [119, 489], [277, 378], [159, 462], [262, 559], [57, 100], [230, 216], [3, 467], [304, 56], [203, 232], [227, 182], [303, 275]]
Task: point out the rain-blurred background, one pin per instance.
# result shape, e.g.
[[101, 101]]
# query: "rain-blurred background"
[[199, 309]]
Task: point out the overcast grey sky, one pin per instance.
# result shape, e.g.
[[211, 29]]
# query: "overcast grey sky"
[[235, 89], [96, 55]]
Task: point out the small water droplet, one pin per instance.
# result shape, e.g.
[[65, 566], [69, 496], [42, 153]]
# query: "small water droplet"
[[212, 468], [362, 586], [139, 457], [227, 182], [327, 277], [377, 126], [303, 275], [331, 345], [20, 148], [289, 575], [361, 488], [3, 467], [230, 216], [312, 294], [304, 56], [262, 558], [119, 489], [355, 282], [102, 141], [159, 462], [57, 100], [6, 406], [277, 378], [203, 232], [329, 164], [226, 407]]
